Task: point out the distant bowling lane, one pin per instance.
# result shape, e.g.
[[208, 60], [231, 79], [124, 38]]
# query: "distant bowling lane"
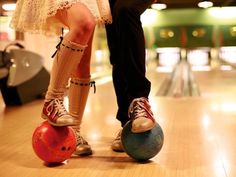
[[216, 82]]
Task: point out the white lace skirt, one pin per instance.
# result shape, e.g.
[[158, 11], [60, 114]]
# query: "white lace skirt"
[[37, 16]]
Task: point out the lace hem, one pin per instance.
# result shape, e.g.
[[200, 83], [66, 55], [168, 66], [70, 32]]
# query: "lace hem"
[[43, 21]]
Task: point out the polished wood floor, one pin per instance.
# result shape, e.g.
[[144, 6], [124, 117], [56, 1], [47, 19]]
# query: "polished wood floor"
[[199, 134]]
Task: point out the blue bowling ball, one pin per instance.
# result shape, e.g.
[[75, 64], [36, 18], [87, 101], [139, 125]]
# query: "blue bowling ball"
[[142, 146]]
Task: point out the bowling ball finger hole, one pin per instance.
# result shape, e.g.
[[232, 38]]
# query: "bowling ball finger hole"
[[63, 148]]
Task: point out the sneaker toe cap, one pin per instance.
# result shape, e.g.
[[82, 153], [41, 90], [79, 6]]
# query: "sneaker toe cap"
[[117, 146], [84, 149], [142, 124], [66, 120]]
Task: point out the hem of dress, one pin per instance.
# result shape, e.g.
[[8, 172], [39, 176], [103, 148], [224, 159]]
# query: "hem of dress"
[[41, 28]]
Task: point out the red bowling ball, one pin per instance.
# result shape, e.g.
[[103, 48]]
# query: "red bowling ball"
[[53, 144]]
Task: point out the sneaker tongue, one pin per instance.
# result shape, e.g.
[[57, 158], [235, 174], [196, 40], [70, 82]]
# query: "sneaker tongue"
[[61, 109], [81, 140]]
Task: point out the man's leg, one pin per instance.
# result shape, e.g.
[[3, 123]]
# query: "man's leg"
[[119, 81], [131, 46]]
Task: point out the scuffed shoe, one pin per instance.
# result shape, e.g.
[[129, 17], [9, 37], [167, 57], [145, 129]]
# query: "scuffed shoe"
[[56, 114], [82, 148], [141, 115], [117, 144]]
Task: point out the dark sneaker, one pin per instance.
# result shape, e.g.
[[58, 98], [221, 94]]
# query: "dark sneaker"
[[56, 114], [83, 148], [141, 115], [116, 144]]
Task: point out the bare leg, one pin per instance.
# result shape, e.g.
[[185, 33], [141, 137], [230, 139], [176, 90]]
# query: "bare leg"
[[81, 24], [78, 94]]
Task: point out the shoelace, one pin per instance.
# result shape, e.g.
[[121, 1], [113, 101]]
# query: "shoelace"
[[80, 139], [56, 106], [57, 47], [140, 108], [92, 84], [118, 137]]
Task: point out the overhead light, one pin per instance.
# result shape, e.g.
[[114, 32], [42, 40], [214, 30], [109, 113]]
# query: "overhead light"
[[159, 6], [149, 17], [9, 7], [223, 12], [205, 4]]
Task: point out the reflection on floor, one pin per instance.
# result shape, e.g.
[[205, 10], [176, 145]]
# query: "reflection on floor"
[[199, 133]]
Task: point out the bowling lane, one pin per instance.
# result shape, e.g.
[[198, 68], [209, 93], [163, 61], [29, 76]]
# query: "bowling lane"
[[216, 82]]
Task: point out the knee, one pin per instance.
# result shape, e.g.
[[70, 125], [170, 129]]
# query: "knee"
[[88, 25], [83, 27]]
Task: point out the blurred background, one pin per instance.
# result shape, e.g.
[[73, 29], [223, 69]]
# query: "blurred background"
[[201, 33]]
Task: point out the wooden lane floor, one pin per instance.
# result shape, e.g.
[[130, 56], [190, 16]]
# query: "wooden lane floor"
[[216, 83], [199, 136]]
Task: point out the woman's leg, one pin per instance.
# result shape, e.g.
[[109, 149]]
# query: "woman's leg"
[[81, 24], [78, 93]]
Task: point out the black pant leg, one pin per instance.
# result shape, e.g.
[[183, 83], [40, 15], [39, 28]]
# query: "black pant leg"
[[127, 53], [131, 45], [119, 80]]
